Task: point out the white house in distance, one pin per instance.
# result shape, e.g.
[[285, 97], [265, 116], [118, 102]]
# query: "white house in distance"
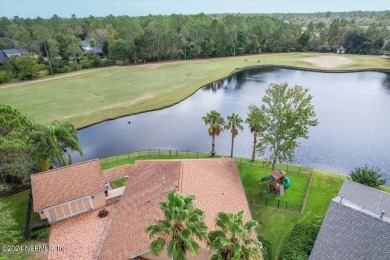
[[340, 50], [71, 197]]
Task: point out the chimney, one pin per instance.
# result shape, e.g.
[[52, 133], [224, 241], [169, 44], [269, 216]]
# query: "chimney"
[[383, 213]]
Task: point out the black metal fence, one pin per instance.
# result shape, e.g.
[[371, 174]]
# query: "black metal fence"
[[155, 153], [26, 231], [274, 203], [189, 154]]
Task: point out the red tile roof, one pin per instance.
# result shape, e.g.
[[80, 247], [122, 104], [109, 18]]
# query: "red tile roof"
[[215, 183], [86, 232], [146, 186], [67, 183]]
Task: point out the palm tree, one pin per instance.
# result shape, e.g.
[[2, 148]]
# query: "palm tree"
[[234, 123], [216, 123], [54, 140], [233, 239], [254, 125], [181, 225]]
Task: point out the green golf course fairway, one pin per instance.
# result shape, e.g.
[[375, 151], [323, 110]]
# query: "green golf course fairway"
[[90, 96]]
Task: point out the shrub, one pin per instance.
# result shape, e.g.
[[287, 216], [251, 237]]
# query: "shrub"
[[267, 247], [42, 67], [324, 48], [369, 176], [107, 62], [301, 240], [4, 77], [40, 234]]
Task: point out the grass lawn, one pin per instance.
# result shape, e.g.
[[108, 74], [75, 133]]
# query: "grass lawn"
[[90, 96], [118, 183], [276, 225]]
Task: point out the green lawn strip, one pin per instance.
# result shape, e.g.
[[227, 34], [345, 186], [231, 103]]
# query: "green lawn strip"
[[118, 183], [25, 254], [275, 225], [17, 204], [385, 188], [100, 94]]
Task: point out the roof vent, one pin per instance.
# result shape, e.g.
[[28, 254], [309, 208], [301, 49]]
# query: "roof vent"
[[383, 213]]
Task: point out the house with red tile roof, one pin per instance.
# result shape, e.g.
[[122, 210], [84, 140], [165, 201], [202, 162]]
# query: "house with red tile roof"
[[72, 190], [215, 183]]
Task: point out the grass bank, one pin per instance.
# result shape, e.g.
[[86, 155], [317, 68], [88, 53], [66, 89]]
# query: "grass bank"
[[90, 96]]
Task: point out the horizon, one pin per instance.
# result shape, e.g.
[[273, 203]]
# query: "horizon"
[[102, 8]]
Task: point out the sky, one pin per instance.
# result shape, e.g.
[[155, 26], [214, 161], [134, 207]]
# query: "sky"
[[84, 8]]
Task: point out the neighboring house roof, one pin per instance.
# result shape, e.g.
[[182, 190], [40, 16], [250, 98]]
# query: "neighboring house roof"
[[4, 54], [371, 199], [353, 229], [341, 48], [67, 183], [88, 48]]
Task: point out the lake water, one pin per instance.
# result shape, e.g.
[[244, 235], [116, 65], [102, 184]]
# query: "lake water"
[[353, 110]]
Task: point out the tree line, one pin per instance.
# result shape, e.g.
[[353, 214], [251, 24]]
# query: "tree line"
[[27, 147], [153, 38]]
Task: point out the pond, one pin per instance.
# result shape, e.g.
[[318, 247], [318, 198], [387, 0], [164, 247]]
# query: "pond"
[[353, 110]]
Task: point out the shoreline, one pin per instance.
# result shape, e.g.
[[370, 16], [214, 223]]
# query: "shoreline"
[[236, 70]]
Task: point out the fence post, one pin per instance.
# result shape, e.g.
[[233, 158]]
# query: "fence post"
[[286, 205], [26, 231], [117, 158], [278, 203], [266, 200]]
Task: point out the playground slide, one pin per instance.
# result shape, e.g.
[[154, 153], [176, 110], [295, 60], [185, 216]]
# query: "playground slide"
[[287, 183]]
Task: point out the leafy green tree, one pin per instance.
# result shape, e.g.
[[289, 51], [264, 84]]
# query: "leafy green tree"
[[8, 230], [130, 30], [16, 147], [234, 239], [386, 47], [285, 115], [254, 124], [28, 66], [182, 223], [369, 176], [120, 50], [234, 123], [54, 140], [43, 34], [216, 123]]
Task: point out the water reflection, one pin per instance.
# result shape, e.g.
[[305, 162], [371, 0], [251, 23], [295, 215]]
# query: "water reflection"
[[352, 108]]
